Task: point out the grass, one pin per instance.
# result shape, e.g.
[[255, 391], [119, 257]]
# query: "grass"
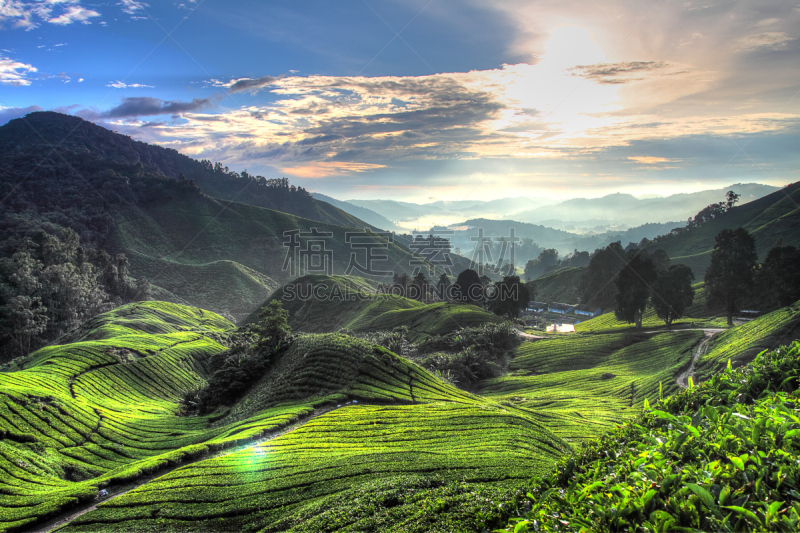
[[350, 302], [559, 286], [223, 255], [580, 386], [101, 410], [742, 343], [288, 484], [394, 448]]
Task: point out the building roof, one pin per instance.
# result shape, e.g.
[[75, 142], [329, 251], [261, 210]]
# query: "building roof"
[[587, 307], [561, 307]]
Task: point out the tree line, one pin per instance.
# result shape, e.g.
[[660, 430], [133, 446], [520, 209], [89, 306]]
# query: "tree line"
[[733, 279], [51, 284]]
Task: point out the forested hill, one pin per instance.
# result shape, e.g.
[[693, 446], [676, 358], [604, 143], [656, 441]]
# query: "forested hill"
[[48, 151], [774, 217]]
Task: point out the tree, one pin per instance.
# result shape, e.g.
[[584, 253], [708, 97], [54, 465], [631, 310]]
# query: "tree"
[[468, 287], [660, 260], [633, 287], [442, 285], [596, 287], [730, 274], [780, 274], [273, 327], [511, 296], [420, 287], [673, 293]]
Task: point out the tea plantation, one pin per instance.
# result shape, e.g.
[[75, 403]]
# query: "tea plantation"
[[339, 434]]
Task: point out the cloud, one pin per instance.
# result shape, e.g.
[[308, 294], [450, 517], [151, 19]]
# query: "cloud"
[[142, 106], [15, 72], [122, 85], [244, 84], [10, 113], [771, 40], [74, 13], [132, 7], [326, 169], [651, 160], [622, 71]]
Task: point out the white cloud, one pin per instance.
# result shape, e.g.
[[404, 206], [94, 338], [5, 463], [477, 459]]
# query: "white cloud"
[[15, 72], [133, 7], [74, 13], [122, 85], [771, 40]]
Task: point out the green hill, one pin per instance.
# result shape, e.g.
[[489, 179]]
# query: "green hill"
[[74, 144], [102, 412], [351, 302], [225, 256], [559, 286], [768, 219]]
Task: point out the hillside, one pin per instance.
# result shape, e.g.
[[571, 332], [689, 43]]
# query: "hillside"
[[76, 150], [225, 256], [775, 216], [347, 302], [101, 413]]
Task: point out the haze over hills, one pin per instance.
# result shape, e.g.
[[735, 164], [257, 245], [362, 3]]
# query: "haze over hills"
[[771, 220], [613, 212]]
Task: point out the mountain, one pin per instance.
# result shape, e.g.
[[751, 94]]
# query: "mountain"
[[124, 197], [773, 218], [367, 215], [85, 148], [622, 208], [768, 219]]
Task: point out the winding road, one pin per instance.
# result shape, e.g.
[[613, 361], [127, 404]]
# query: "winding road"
[[683, 377]]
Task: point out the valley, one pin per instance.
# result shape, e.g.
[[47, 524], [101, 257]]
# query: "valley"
[[174, 360]]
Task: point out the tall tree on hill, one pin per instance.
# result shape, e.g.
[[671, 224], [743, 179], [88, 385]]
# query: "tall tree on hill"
[[442, 286], [673, 293], [780, 274], [421, 287], [511, 296], [633, 287], [468, 287], [597, 287], [273, 326], [731, 272]]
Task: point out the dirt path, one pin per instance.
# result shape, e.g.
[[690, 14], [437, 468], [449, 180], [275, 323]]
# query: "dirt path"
[[118, 490], [683, 377], [528, 336]]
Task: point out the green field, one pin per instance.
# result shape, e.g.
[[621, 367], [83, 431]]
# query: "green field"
[[223, 256], [582, 385], [102, 411], [351, 303], [338, 434]]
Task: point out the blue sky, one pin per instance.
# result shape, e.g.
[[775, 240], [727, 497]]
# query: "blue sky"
[[429, 99]]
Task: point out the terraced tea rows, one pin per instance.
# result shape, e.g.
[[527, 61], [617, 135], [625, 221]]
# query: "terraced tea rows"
[[102, 411], [283, 485], [89, 413], [352, 303], [579, 386], [742, 343]]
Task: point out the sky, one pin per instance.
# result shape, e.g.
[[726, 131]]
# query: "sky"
[[424, 100]]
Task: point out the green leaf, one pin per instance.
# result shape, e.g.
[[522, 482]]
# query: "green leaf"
[[738, 463], [744, 512], [704, 495]]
